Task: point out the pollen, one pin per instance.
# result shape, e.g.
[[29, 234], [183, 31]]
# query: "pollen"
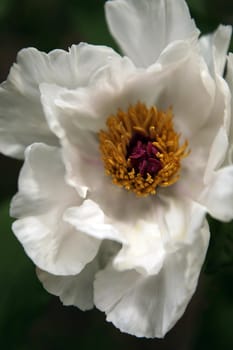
[[141, 150]]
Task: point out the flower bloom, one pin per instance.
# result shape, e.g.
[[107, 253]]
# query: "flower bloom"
[[124, 156]]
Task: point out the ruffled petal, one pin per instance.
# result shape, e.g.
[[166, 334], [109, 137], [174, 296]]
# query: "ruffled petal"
[[143, 249], [77, 290], [74, 290], [144, 28], [218, 194], [22, 120], [92, 220], [229, 79], [148, 306], [214, 48], [82, 108], [52, 244], [149, 227], [76, 116], [208, 144], [73, 115], [191, 110]]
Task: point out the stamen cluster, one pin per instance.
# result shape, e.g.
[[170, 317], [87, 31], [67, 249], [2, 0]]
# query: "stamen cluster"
[[142, 154], [140, 149]]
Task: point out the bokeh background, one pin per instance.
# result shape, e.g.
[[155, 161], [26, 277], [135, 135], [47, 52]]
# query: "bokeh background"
[[29, 317]]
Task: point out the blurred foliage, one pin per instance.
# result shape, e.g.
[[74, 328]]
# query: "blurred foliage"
[[216, 325], [60, 23], [49, 24], [215, 321], [220, 255], [215, 330], [22, 297], [208, 14]]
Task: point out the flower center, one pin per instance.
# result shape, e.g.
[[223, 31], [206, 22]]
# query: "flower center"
[[143, 156], [141, 150]]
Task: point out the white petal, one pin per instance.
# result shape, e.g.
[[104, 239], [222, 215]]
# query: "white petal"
[[52, 244], [120, 85], [82, 107], [217, 153], [91, 219], [220, 119], [77, 289], [80, 147], [191, 110], [208, 144], [218, 195], [74, 116], [229, 79], [74, 290], [144, 250], [144, 28], [87, 60], [150, 306], [214, 48], [77, 115], [150, 227], [84, 171], [22, 119]]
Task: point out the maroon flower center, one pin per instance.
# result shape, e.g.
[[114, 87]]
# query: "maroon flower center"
[[142, 154], [140, 149]]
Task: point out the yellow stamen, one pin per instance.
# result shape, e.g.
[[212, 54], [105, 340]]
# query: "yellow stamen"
[[157, 127]]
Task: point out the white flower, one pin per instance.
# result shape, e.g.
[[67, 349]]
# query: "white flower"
[[158, 122]]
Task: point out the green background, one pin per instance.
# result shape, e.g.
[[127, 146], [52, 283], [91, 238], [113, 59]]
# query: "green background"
[[29, 317]]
